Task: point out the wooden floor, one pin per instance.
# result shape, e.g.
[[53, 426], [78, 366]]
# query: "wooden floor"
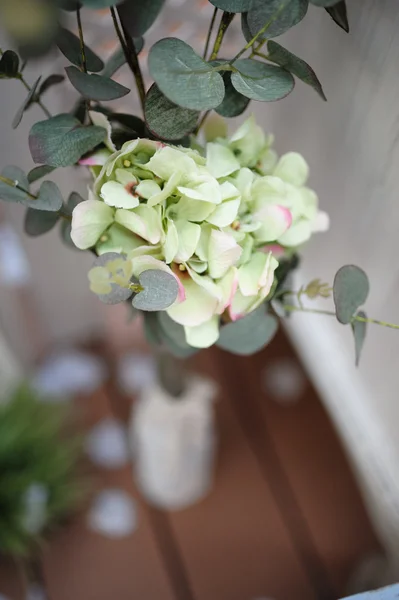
[[284, 521]]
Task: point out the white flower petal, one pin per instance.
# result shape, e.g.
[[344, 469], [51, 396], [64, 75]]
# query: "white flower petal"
[[205, 335], [89, 220], [225, 213], [224, 252], [293, 168], [115, 194], [144, 221], [188, 238], [100, 120], [220, 160], [275, 220]]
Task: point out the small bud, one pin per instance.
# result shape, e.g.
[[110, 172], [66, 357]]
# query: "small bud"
[[127, 163]]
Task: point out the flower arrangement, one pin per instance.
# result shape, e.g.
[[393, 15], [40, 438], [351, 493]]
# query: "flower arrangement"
[[199, 237]]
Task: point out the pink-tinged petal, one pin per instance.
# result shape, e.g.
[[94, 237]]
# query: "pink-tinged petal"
[[228, 285], [241, 306], [223, 253], [97, 159], [199, 305], [275, 249], [275, 220]]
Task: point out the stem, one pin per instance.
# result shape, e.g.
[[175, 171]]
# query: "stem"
[[130, 53], [82, 44], [223, 26], [28, 87], [330, 313], [16, 185], [201, 122], [261, 31], [170, 373], [208, 37]]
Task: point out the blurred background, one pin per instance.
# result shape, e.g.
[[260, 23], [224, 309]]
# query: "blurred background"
[[305, 498]]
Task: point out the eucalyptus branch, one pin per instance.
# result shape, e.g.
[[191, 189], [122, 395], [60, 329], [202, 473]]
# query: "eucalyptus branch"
[[81, 40], [28, 87], [330, 313], [208, 37], [261, 31], [16, 185], [225, 21], [130, 53], [201, 121]]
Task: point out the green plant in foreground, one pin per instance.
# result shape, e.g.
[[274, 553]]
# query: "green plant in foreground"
[[38, 484]]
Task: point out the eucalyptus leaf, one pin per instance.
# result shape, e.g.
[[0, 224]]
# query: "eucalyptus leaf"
[[9, 65], [233, 6], [68, 5], [160, 290], [233, 103], [138, 16], [359, 330], [73, 200], [49, 197], [165, 119], [118, 293], [281, 14], [350, 291], [66, 229], [25, 105], [248, 335], [69, 44], [98, 4], [95, 87], [339, 14], [118, 59], [10, 193], [49, 82], [260, 81], [183, 76], [38, 222], [173, 336], [39, 172], [294, 65], [152, 329], [62, 140]]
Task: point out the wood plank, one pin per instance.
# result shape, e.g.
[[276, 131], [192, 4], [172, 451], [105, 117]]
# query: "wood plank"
[[235, 543]]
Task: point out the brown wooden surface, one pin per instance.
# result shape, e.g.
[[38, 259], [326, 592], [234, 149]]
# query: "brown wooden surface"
[[284, 520]]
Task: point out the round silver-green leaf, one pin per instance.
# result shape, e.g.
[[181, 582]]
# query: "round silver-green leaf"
[[165, 119], [137, 16], [233, 6], [25, 105], [95, 87], [233, 103], [9, 65], [248, 335], [69, 44], [160, 290], [49, 198], [359, 330], [259, 81], [281, 15], [10, 193], [184, 77], [350, 291], [39, 172], [118, 293], [38, 222]]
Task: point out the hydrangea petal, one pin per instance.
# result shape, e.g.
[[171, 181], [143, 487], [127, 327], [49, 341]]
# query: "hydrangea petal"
[[118, 239], [220, 160], [224, 252], [257, 274], [125, 177], [188, 237], [168, 189], [168, 160], [248, 141], [204, 335], [321, 222], [275, 220], [225, 213], [208, 191], [191, 210], [144, 221], [100, 120], [97, 159], [148, 188], [115, 194], [89, 220], [293, 168], [297, 234], [145, 262], [198, 307], [228, 285]]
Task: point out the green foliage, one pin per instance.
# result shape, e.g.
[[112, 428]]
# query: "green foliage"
[[13, 194], [281, 14], [138, 16], [38, 222], [160, 291], [233, 103], [339, 14], [102, 273], [233, 6], [350, 291], [165, 119], [359, 329], [160, 329], [250, 334], [34, 454], [294, 65], [9, 65], [95, 87], [39, 172], [183, 76], [259, 81], [324, 3], [25, 105], [49, 197], [69, 44], [61, 141], [98, 4], [50, 82]]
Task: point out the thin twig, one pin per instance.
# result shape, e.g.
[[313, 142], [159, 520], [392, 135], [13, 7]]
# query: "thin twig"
[[16, 185], [208, 37], [223, 26], [201, 121], [81, 40], [330, 313], [130, 53]]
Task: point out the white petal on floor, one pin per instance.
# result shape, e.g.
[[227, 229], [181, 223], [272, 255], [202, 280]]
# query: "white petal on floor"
[[135, 372], [106, 444], [35, 592], [284, 380], [113, 514], [68, 373]]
